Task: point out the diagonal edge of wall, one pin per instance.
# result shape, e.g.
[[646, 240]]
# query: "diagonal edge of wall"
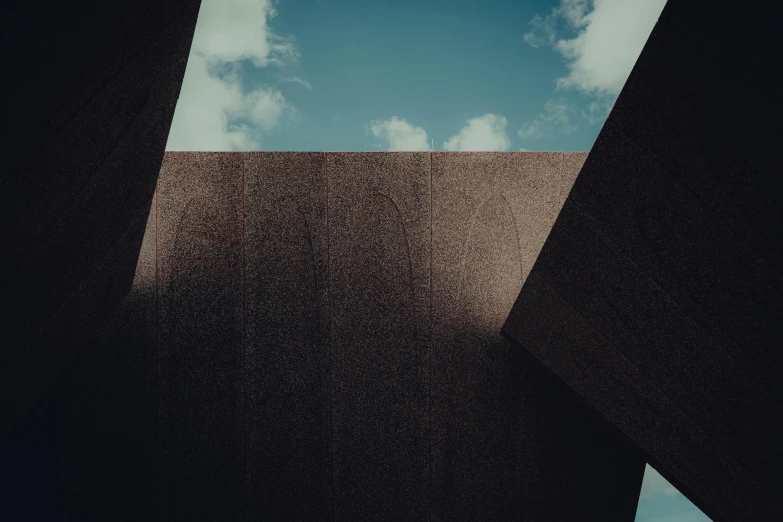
[[657, 297], [305, 389], [81, 176]]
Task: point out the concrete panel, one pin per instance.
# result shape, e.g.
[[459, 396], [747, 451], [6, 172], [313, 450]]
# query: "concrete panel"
[[81, 164], [757, 63], [689, 371], [200, 328], [106, 409], [286, 301], [491, 215], [736, 182], [273, 361], [658, 295], [379, 304]]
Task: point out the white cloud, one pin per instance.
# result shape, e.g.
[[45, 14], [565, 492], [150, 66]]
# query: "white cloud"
[[485, 133], [530, 129], [399, 135], [201, 117], [231, 30], [609, 42], [597, 111], [574, 11], [654, 484], [544, 30], [554, 118], [303, 83], [214, 112], [610, 35], [266, 107]]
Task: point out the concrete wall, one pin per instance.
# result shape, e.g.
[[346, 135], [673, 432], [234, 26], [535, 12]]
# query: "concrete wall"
[[658, 297], [316, 335], [85, 122]]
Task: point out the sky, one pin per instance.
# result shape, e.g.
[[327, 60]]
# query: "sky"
[[352, 75]]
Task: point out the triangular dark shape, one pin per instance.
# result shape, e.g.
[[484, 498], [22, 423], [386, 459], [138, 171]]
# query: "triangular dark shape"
[[657, 297]]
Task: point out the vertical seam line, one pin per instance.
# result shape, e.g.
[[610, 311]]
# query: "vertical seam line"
[[429, 398], [329, 336], [243, 511]]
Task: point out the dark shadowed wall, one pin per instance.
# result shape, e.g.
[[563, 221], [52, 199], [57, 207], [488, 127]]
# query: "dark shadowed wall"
[[316, 336], [658, 296], [86, 112]]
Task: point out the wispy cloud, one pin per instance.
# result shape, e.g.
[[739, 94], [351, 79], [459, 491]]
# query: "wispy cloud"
[[609, 36], [215, 111], [554, 118], [596, 112], [544, 31], [399, 135], [485, 133], [303, 83]]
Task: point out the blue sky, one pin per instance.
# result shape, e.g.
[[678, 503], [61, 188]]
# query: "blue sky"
[[350, 75], [661, 502]]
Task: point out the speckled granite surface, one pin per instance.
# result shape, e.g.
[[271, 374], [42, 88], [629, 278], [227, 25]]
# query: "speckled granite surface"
[[502, 435], [287, 337], [351, 367]]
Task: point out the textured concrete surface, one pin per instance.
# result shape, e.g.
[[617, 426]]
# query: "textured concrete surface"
[[86, 120], [200, 362], [379, 241], [497, 446], [351, 366], [657, 297], [287, 337]]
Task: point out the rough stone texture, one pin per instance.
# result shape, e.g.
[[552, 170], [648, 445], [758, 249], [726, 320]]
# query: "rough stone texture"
[[287, 337], [503, 437], [86, 117], [658, 297], [379, 257], [315, 336], [200, 377]]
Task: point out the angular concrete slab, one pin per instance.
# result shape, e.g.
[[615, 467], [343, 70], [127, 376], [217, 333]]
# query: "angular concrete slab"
[[106, 408], [81, 159], [658, 297], [291, 309]]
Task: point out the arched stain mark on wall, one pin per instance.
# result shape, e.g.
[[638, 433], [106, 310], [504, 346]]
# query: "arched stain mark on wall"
[[493, 235], [292, 254], [285, 354], [382, 425], [484, 381], [359, 221]]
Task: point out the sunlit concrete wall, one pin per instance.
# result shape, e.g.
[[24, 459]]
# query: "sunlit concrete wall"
[[316, 335]]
